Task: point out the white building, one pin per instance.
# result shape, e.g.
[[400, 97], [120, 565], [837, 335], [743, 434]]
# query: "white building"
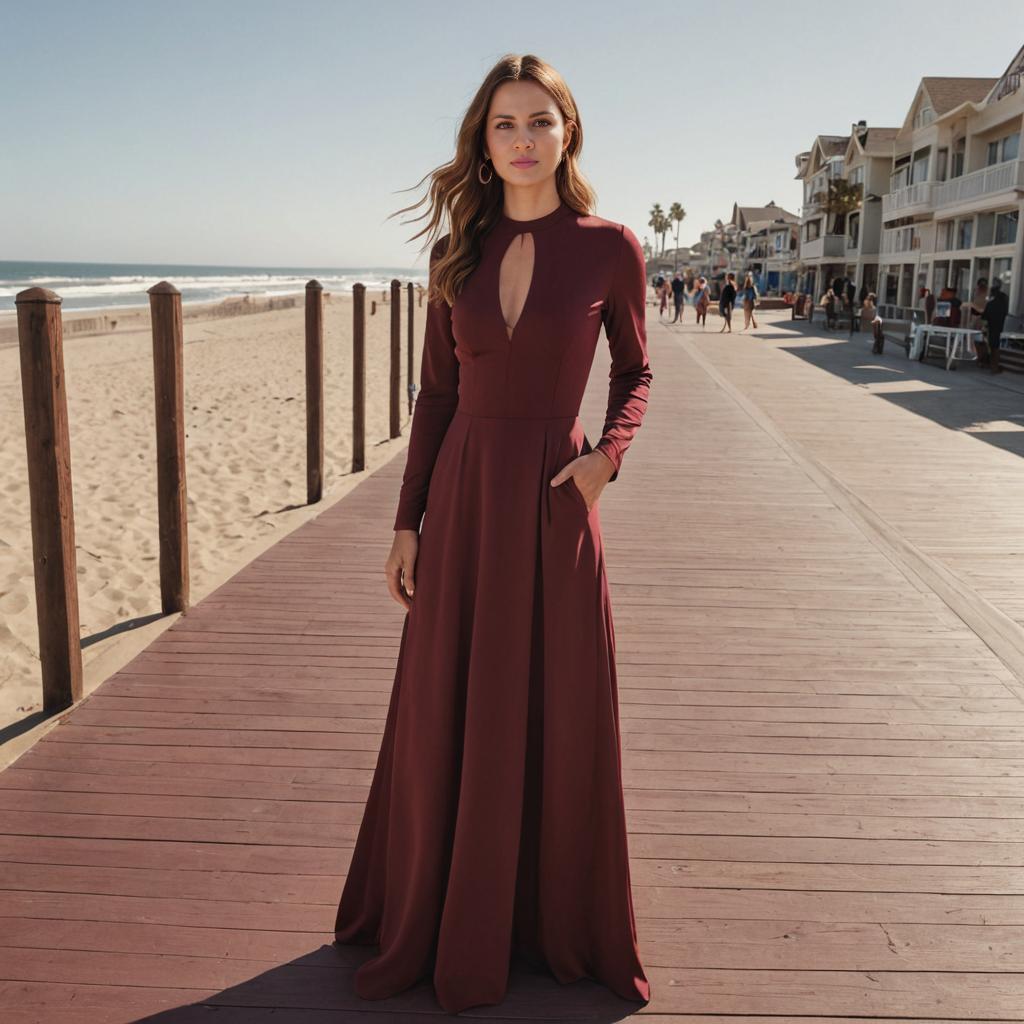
[[768, 246], [868, 163], [954, 212], [822, 232]]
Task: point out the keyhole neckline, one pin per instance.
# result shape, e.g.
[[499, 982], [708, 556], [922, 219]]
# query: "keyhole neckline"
[[537, 223]]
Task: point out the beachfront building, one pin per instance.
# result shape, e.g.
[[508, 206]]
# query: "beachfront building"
[[868, 165], [822, 253], [932, 154], [768, 238], [977, 186]]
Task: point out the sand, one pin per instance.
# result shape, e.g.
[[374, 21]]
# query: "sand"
[[245, 467]]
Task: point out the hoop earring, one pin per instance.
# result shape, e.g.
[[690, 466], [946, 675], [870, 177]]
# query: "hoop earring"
[[483, 181]]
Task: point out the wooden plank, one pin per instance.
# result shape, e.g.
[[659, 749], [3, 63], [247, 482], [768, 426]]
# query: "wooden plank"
[[822, 761]]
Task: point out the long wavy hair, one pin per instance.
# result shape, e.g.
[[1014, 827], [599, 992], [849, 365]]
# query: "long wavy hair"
[[473, 208]]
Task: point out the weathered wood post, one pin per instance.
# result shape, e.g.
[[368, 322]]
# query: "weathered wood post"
[[172, 494], [314, 391], [410, 387], [395, 396], [40, 338], [358, 377]]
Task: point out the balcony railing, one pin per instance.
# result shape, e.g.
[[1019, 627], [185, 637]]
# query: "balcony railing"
[[907, 200], [989, 180], [913, 239], [824, 246]]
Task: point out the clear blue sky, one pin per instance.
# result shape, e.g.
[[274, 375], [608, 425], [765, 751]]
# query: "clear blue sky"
[[262, 132]]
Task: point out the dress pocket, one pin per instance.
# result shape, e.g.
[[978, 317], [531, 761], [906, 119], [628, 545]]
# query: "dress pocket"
[[571, 483]]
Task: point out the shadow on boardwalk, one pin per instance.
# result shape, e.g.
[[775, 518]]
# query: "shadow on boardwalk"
[[967, 398], [823, 762]]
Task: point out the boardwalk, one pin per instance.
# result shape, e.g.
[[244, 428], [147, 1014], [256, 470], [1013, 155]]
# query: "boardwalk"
[[824, 761]]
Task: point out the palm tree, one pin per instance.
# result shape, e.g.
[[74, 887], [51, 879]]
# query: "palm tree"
[[676, 213], [657, 221], [842, 199]]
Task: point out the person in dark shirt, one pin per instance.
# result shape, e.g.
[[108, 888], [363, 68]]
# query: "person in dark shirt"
[[994, 314], [678, 296], [726, 301]]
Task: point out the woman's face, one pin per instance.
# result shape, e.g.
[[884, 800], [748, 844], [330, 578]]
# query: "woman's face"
[[525, 133]]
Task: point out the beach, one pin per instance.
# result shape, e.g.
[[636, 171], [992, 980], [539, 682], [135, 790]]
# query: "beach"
[[245, 464]]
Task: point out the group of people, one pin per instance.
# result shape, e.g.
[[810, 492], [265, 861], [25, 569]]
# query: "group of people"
[[986, 312], [842, 292], [697, 290]]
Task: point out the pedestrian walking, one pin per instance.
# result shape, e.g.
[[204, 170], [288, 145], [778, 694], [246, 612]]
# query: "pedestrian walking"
[[749, 296], [662, 288], [726, 301], [701, 300], [678, 296]]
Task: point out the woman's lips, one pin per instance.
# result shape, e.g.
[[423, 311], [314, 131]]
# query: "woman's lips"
[[523, 163]]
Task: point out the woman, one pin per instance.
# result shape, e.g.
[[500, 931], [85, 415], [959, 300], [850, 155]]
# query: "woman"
[[749, 294], [701, 300], [495, 823], [726, 301]]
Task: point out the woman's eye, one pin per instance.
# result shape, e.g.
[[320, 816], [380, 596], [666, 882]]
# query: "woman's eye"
[[540, 120]]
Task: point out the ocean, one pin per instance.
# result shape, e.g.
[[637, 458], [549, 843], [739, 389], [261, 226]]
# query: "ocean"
[[102, 285]]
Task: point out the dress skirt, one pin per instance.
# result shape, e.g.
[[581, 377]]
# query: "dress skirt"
[[495, 822]]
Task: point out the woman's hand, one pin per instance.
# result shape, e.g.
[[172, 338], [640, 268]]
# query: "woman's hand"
[[401, 566], [591, 472]]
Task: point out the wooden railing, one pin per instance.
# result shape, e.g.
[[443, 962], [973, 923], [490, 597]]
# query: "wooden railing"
[[40, 339]]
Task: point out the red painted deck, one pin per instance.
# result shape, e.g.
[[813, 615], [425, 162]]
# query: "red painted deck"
[[824, 766]]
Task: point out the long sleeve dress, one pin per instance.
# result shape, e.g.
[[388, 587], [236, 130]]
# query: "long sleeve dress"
[[495, 823]]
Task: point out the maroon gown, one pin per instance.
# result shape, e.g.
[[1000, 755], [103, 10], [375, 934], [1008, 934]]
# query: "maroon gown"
[[495, 823]]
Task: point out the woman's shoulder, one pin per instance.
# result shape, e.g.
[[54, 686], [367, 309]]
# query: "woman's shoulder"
[[615, 239], [602, 226]]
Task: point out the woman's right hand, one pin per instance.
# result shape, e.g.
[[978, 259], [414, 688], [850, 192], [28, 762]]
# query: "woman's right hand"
[[401, 566]]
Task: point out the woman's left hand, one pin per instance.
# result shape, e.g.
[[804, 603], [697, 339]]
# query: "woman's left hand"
[[591, 472]]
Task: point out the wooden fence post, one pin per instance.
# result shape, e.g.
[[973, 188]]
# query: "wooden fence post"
[[358, 377], [314, 391], [40, 338], [410, 387], [395, 397], [172, 494]]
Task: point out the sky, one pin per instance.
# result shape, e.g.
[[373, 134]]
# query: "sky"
[[263, 133]]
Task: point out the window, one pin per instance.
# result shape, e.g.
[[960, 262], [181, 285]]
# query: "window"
[[1006, 227], [854, 233], [941, 276], [959, 146], [944, 236], [1001, 269], [986, 228], [998, 151], [813, 230], [857, 175], [963, 233], [919, 169], [924, 116], [941, 164]]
